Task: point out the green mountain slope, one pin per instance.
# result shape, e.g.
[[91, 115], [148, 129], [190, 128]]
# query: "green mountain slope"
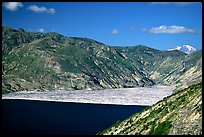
[[178, 114], [173, 68], [181, 72], [56, 62], [50, 61]]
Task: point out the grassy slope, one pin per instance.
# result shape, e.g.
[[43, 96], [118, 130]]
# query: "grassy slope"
[[180, 113]]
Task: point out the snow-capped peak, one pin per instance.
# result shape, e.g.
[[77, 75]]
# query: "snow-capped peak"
[[185, 48]]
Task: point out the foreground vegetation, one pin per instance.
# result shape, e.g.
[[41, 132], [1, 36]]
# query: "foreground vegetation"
[[178, 114]]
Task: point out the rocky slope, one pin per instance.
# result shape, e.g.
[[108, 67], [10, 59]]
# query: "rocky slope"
[[177, 114]]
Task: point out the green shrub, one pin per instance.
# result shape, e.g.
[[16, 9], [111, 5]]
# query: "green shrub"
[[162, 128]]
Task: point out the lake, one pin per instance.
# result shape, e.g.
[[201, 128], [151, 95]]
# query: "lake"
[[79, 112], [30, 117]]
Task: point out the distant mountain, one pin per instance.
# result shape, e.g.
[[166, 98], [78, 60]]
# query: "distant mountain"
[[50, 61], [178, 114], [173, 68], [185, 48]]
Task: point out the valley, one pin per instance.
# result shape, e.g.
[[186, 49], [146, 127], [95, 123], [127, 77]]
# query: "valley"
[[101, 68], [51, 67]]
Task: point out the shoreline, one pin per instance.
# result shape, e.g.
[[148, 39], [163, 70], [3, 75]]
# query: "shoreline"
[[64, 101]]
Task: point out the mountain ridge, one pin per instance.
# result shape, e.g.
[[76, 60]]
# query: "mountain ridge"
[[66, 63], [51, 61]]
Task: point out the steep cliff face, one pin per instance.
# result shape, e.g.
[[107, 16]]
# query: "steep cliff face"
[[178, 114]]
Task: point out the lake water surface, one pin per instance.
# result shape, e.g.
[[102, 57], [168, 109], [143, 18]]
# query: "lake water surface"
[[30, 117], [81, 112]]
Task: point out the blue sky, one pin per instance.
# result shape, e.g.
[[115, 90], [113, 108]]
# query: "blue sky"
[[154, 24]]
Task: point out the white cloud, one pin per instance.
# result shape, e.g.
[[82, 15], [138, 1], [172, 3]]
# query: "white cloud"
[[176, 3], [41, 30], [37, 9], [114, 31], [170, 29], [12, 6]]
